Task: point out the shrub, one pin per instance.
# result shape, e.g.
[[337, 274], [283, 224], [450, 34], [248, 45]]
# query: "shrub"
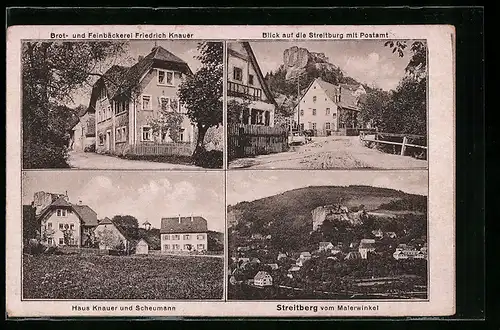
[[209, 159], [90, 148], [34, 247]]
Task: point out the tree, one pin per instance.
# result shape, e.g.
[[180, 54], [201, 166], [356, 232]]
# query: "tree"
[[68, 236], [107, 239], [51, 72], [373, 108], [169, 120], [201, 93], [417, 66], [125, 221], [235, 110]]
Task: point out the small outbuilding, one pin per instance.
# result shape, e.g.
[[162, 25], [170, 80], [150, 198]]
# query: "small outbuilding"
[[142, 247]]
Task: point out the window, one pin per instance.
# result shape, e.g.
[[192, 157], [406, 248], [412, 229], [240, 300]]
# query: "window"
[[313, 125], [187, 237], [327, 112], [50, 241], [250, 79], [72, 227], [201, 246], [301, 126], [61, 241], [314, 112], [166, 237], [146, 102], [146, 133], [309, 125], [301, 112], [61, 226], [121, 107], [175, 246], [121, 134], [164, 102], [334, 116], [314, 98], [201, 236], [237, 74], [101, 139], [49, 225], [327, 125], [165, 77], [187, 246], [175, 237], [61, 212], [166, 247]]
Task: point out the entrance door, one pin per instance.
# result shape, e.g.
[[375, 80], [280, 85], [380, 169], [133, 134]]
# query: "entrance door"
[[108, 140]]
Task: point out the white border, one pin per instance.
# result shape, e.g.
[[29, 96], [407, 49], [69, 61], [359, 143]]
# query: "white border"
[[440, 41]]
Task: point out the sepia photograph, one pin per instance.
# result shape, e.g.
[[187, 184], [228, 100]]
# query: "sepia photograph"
[[327, 235], [123, 235], [340, 104], [133, 104]]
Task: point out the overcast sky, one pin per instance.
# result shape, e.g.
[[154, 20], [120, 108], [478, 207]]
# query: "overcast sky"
[[367, 61], [186, 50], [252, 185], [146, 196]]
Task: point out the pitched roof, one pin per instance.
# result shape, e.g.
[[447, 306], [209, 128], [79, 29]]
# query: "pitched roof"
[[121, 79], [324, 244], [260, 76], [106, 221], [353, 255], [261, 274], [86, 214], [61, 202], [350, 87], [183, 225], [347, 100]]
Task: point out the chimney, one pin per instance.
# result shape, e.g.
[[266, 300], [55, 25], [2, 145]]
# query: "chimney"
[[80, 202], [179, 219], [191, 217]]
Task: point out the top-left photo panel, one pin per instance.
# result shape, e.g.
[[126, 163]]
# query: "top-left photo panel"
[[124, 105]]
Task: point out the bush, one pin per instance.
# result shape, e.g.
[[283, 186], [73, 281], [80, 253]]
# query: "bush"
[[34, 247], [209, 159], [44, 154], [90, 148]]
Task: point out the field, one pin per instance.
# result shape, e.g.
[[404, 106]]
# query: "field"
[[121, 277]]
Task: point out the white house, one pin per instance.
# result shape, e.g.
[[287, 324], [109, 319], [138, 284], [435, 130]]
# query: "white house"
[[366, 245], [325, 108], [263, 279], [64, 223], [245, 82], [184, 234]]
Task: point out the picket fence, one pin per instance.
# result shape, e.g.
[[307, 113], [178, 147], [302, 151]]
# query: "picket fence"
[[162, 149], [251, 140]]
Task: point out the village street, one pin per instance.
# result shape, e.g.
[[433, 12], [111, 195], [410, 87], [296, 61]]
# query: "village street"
[[333, 152], [90, 160]]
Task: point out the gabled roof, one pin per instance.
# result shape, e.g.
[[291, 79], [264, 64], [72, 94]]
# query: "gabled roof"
[[261, 274], [121, 79], [61, 202], [260, 76], [325, 244], [183, 225], [347, 100], [106, 221], [86, 214]]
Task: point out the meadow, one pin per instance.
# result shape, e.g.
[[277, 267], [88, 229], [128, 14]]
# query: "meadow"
[[122, 277]]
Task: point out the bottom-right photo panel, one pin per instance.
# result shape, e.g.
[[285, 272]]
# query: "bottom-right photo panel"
[[327, 235]]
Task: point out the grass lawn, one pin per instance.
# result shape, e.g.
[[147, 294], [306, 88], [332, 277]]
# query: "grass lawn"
[[121, 277]]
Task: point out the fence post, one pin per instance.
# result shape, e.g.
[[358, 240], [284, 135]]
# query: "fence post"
[[403, 146]]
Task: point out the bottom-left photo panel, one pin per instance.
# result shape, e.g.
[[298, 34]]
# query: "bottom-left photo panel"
[[123, 235]]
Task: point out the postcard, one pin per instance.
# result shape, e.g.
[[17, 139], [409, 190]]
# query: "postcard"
[[230, 171]]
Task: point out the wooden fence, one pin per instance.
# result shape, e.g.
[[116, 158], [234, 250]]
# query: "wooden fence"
[[252, 140], [407, 140], [162, 149]]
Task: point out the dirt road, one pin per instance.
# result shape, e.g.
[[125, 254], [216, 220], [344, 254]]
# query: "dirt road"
[[334, 152], [90, 160]]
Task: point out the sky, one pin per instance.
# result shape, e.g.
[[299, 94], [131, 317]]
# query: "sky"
[[367, 61], [186, 50], [146, 196], [252, 185]]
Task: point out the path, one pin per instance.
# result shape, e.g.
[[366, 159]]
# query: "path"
[[333, 152], [90, 160]]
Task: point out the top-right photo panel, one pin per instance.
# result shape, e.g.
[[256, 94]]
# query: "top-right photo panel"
[[343, 104]]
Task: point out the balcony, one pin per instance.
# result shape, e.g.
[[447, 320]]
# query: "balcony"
[[243, 91]]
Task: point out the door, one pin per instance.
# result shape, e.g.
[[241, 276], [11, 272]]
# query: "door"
[[108, 140]]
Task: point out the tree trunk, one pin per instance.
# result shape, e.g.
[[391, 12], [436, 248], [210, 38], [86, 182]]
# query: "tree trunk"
[[200, 147]]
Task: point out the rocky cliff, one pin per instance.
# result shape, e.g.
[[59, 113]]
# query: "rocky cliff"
[[297, 61]]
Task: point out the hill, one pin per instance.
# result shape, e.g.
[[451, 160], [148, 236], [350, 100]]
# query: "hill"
[[287, 216]]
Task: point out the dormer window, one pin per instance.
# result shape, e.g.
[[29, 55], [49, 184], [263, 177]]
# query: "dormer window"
[[61, 212], [165, 78]]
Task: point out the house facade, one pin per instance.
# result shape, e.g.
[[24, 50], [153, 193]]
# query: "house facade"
[[245, 82], [142, 247], [83, 131], [126, 101], [263, 278], [366, 245], [65, 224], [326, 108], [184, 234]]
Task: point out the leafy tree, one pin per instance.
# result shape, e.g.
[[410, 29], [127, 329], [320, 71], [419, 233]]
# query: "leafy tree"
[[235, 110], [201, 93], [169, 120], [372, 110], [107, 238], [51, 72], [417, 66], [125, 221]]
